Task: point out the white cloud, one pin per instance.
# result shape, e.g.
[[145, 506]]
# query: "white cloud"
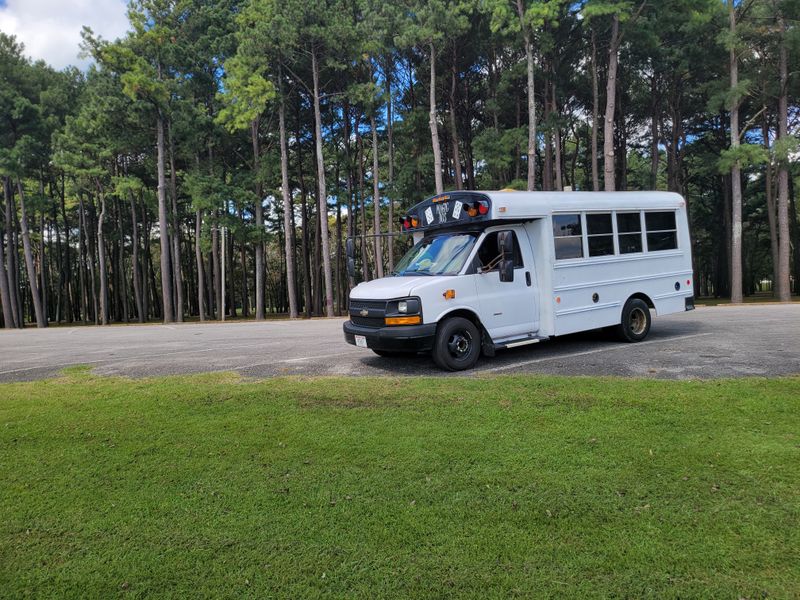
[[51, 29]]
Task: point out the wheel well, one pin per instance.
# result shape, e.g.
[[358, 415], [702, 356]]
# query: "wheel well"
[[645, 298], [470, 316], [464, 313]]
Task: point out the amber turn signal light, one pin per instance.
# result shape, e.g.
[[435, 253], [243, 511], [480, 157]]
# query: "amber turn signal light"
[[413, 320], [449, 294]]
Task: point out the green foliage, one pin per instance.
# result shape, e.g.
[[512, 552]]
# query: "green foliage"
[[247, 92], [746, 155]]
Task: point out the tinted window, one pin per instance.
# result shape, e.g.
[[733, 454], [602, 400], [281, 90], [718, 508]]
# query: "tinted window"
[[630, 243], [601, 239], [567, 232], [569, 247], [659, 221], [661, 240], [489, 256], [661, 231], [629, 222], [598, 223], [566, 225], [601, 245]]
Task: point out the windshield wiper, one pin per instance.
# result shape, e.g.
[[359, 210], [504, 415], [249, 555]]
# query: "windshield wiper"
[[426, 273]]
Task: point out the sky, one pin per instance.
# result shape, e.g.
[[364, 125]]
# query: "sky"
[[51, 29]]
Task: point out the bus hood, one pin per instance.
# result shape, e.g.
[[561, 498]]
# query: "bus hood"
[[392, 287]]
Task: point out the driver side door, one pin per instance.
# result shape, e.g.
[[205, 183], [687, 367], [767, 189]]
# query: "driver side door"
[[508, 309]]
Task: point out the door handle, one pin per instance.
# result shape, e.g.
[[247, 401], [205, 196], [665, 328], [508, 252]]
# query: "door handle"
[[528, 278]]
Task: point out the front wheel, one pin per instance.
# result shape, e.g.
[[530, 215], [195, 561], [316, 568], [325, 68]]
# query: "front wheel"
[[635, 321], [458, 344]]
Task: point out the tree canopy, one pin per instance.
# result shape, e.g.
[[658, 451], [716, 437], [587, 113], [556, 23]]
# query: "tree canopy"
[[212, 163]]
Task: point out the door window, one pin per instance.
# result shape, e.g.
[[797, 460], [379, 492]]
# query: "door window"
[[488, 257]]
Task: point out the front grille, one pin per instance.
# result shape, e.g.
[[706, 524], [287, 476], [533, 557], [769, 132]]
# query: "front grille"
[[367, 313], [367, 321], [368, 304]]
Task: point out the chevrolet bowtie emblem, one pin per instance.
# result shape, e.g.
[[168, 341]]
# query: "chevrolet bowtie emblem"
[[364, 312]]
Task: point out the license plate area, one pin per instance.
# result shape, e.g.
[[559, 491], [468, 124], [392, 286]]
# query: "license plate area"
[[361, 341]]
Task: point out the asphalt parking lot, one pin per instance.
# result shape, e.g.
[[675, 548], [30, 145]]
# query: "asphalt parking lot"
[[710, 342]]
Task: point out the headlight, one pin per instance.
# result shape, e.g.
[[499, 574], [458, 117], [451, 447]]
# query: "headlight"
[[403, 306]]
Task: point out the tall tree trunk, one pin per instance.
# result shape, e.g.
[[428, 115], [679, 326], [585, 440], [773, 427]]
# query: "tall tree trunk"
[[784, 289], [736, 177], [68, 277], [9, 320], [531, 97], [323, 197], [137, 269], [390, 143], [177, 273], [654, 120], [101, 249], [376, 199], [362, 206], [611, 93], [166, 271], [259, 222], [82, 259], [41, 319], [459, 176], [559, 179], [770, 196], [437, 150], [595, 115], [198, 258], [291, 280], [217, 266]]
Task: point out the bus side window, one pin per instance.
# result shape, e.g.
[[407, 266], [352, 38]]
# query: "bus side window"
[[662, 234], [568, 236], [488, 256]]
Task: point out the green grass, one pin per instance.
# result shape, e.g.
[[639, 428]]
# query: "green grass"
[[487, 487]]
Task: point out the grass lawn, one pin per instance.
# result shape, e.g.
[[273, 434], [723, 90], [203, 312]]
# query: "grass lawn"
[[487, 487]]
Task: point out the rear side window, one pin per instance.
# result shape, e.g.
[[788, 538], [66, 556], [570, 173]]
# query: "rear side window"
[[629, 230], [662, 233], [568, 236], [600, 234]]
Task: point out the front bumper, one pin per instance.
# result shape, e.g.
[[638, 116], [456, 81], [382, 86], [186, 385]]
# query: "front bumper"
[[402, 338]]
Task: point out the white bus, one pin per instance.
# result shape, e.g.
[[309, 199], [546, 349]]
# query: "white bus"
[[494, 270]]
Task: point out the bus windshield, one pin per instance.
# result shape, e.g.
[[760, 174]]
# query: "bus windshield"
[[443, 254]]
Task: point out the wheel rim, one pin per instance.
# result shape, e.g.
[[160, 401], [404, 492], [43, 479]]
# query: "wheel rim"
[[638, 321], [459, 344]]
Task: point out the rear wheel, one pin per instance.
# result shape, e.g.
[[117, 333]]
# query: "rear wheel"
[[635, 321], [458, 344]]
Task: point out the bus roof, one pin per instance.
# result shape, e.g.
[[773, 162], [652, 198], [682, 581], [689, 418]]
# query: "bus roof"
[[516, 205]]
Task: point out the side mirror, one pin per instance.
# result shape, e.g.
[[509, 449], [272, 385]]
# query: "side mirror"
[[505, 246], [350, 248], [351, 267]]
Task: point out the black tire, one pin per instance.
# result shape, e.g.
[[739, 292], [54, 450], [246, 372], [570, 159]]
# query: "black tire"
[[458, 344], [635, 321]]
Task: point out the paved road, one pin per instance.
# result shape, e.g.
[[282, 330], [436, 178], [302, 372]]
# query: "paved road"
[[709, 342]]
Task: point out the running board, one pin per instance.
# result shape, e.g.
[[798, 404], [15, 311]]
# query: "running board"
[[514, 343], [489, 347]]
